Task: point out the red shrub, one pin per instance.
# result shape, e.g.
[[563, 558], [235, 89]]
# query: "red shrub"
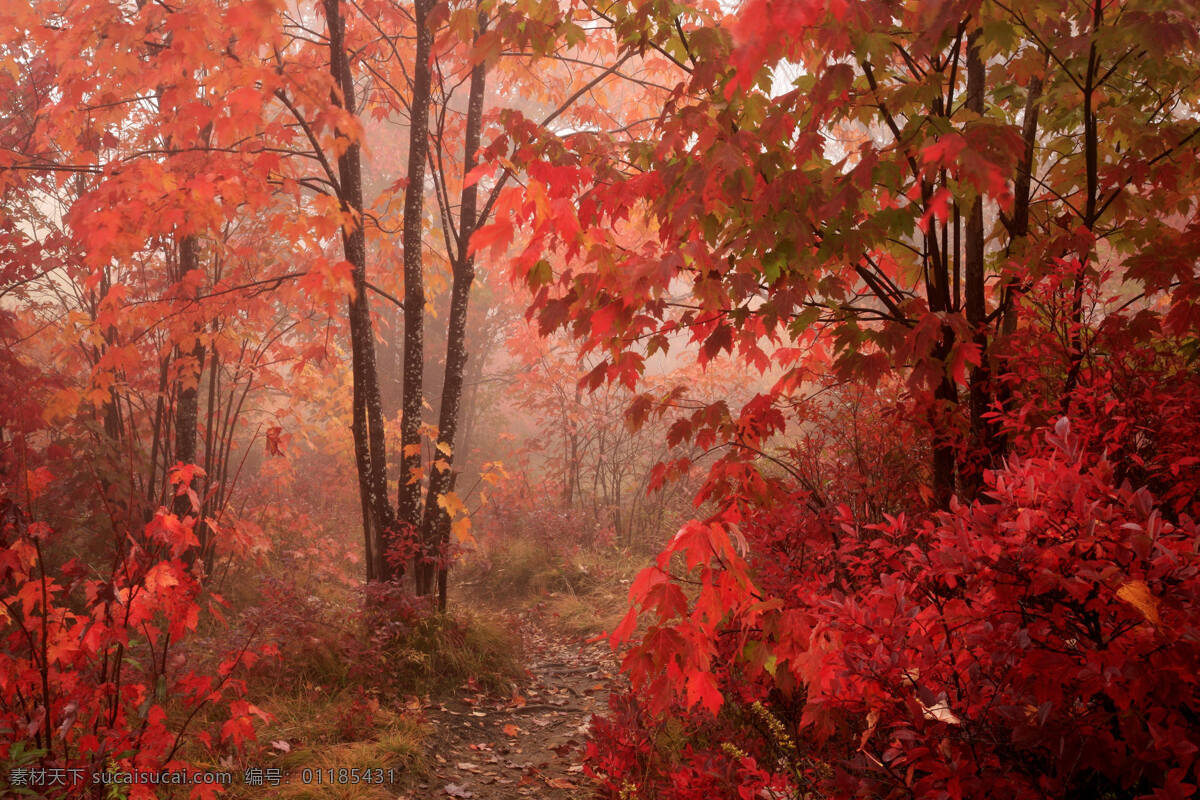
[[1041, 642], [90, 664]]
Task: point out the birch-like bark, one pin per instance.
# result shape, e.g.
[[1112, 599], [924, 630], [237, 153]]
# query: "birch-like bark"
[[187, 402], [408, 493], [367, 421], [435, 528]]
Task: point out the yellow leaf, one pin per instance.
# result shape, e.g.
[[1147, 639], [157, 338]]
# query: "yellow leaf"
[[1137, 594], [444, 448], [452, 505], [62, 405], [461, 528]]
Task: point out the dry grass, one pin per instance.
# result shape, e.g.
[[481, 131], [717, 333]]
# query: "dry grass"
[[314, 731], [342, 699], [443, 651], [582, 593]]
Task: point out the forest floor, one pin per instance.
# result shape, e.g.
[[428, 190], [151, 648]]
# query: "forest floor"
[[529, 744], [494, 701]]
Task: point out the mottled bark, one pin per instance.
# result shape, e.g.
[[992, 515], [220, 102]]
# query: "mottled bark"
[[367, 422], [435, 529], [187, 396], [408, 501]]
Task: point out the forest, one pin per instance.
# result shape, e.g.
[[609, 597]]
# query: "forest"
[[616, 399]]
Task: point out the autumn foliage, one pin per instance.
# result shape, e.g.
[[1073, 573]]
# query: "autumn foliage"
[[1038, 642], [946, 545], [92, 660], [901, 294]]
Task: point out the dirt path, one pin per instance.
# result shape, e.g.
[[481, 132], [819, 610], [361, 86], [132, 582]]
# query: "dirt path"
[[528, 745]]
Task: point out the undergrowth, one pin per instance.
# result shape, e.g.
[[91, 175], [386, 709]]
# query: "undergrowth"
[[578, 591], [350, 681]]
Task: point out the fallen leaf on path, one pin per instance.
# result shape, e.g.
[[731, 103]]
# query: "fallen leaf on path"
[[510, 730], [458, 790]]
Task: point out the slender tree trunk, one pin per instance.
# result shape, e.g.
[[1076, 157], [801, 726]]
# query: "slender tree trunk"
[[435, 530], [213, 474], [1018, 230], [941, 416], [1091, 142], [114, 428], [572, 466], [1018, 227], [369, 443], [408, 501], [159, 437], [187, 402], [982, 448]]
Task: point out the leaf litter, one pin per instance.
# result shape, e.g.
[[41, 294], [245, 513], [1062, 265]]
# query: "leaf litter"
[[530, 743]]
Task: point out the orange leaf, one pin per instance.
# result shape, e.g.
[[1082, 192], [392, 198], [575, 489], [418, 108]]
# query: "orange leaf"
[[1137, 594]]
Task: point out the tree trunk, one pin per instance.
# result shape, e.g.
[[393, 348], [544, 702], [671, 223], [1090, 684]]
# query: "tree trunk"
[[941, 413], [982, 447], [408, 501], [1018, 231], [369, 444], [187, 395], [435, 529], [1091, 143]]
